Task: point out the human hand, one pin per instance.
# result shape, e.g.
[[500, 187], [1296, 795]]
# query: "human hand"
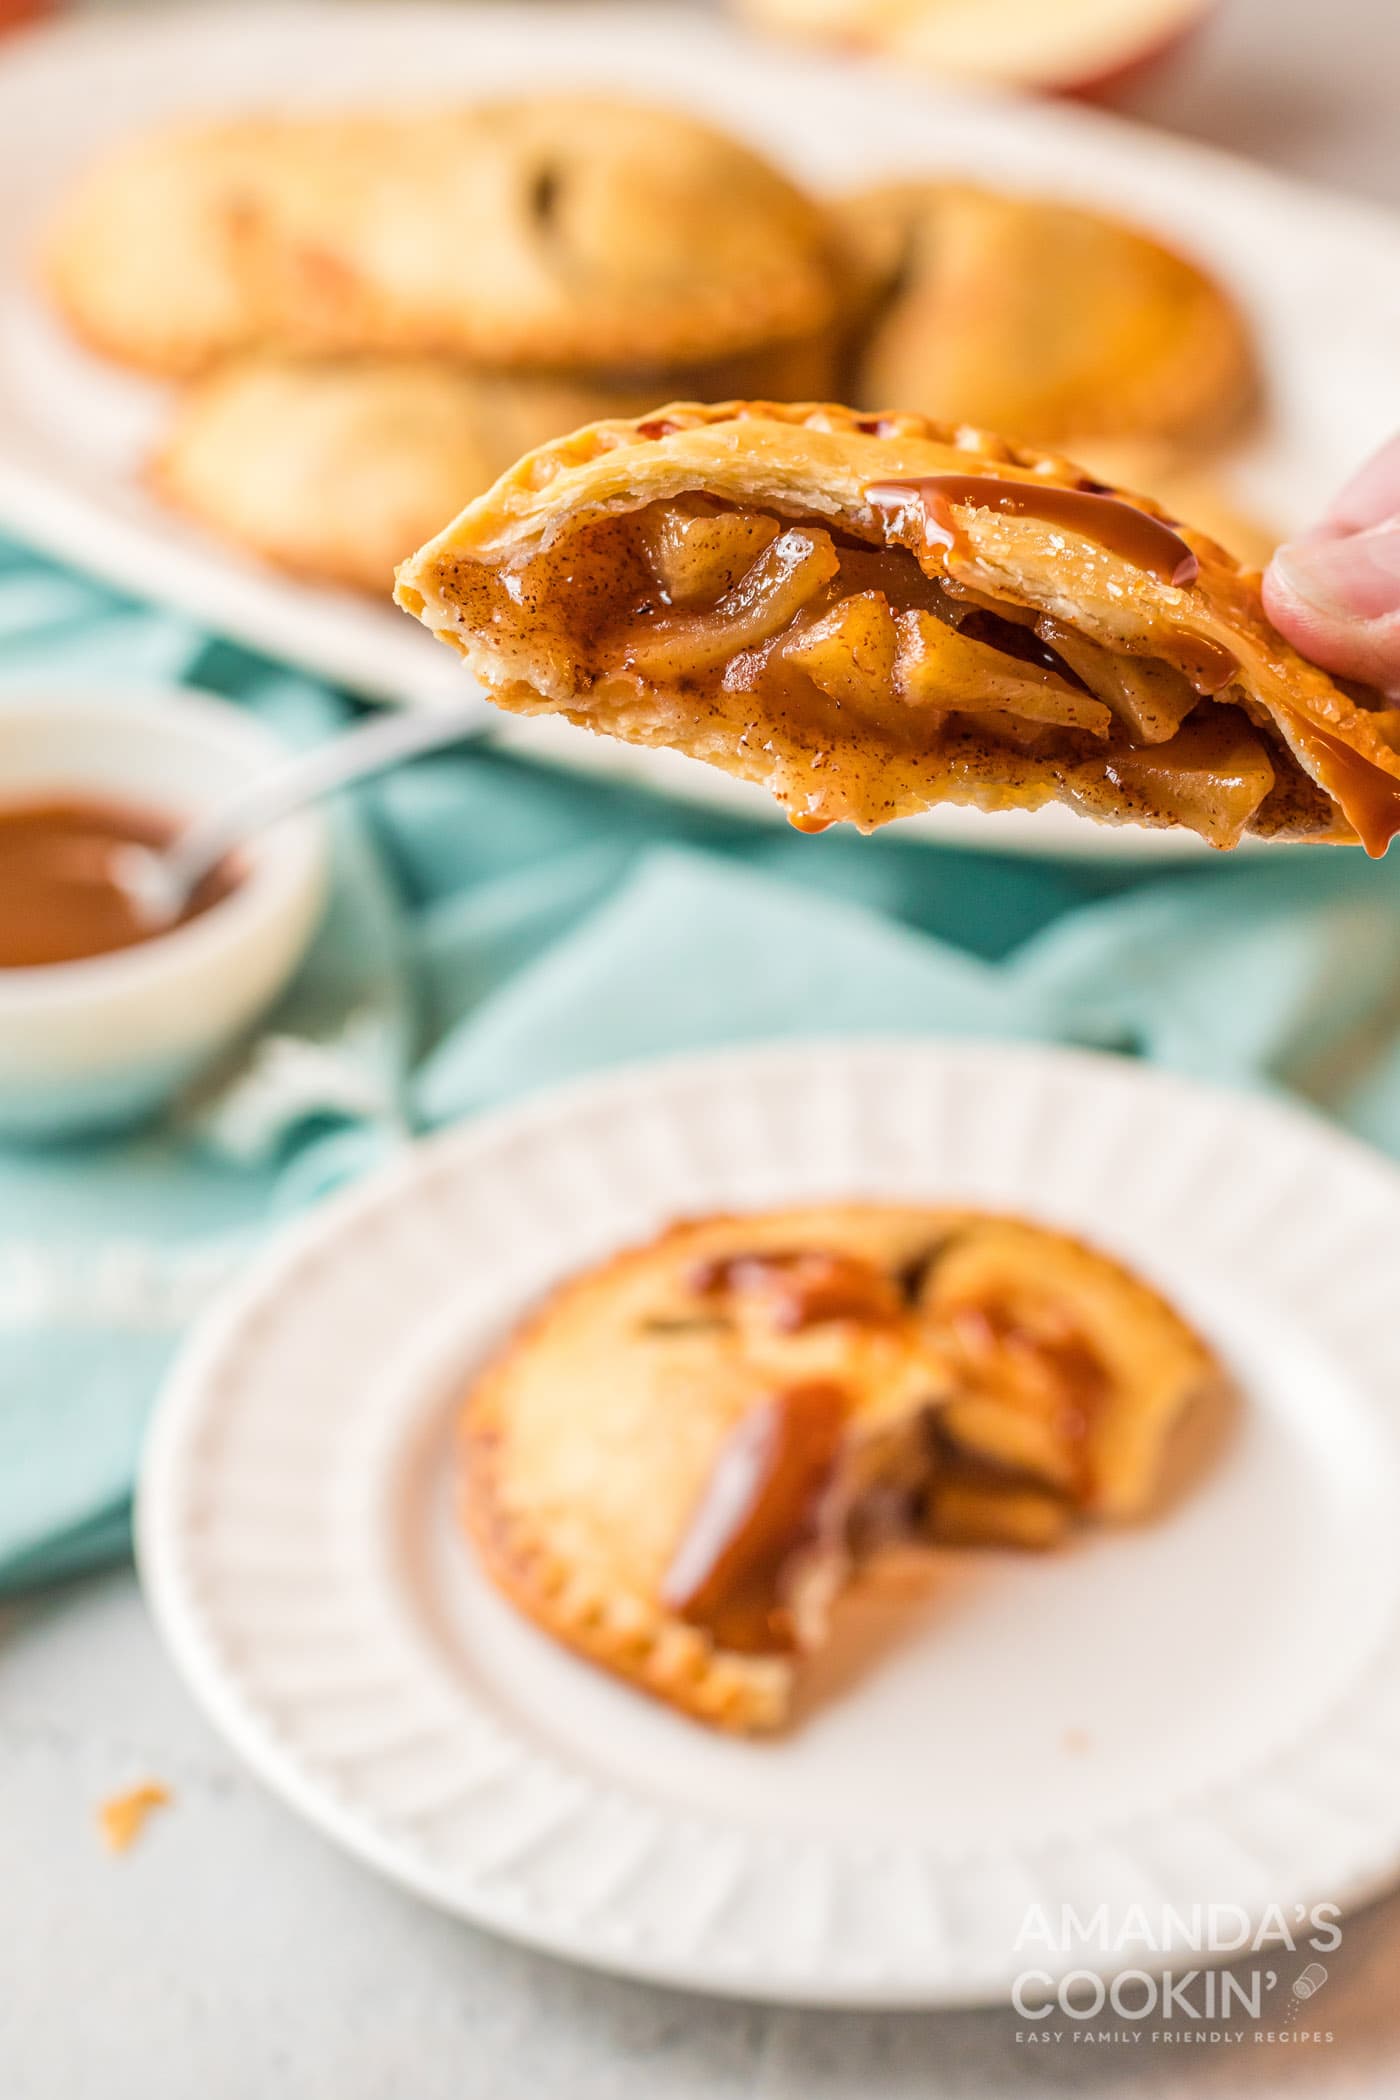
[[1335, 591]]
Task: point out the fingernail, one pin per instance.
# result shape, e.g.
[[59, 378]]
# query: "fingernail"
[[1354, 578]]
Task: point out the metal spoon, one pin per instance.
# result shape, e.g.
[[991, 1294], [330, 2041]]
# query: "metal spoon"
[[159, 881]]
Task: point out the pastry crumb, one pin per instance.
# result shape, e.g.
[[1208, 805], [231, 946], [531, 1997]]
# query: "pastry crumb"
[[122, 1818], [1076, 1741]]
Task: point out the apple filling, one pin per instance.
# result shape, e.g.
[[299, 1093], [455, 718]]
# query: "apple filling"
[[1025, 1382], [854, 684]]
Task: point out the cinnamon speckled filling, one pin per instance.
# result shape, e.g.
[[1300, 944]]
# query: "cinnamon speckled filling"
[[855, 685]]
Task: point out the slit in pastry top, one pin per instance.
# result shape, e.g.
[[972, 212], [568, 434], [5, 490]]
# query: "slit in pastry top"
[[870, 616]]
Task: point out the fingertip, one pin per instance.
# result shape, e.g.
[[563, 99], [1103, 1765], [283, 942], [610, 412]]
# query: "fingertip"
[[1335, 615]]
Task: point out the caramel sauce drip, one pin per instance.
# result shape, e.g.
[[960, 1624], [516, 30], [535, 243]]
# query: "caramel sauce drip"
[[1145, 541], [761, 1503], [812, 827], [1208, 666], [804, 1286], [1368, 798], [58, 900]]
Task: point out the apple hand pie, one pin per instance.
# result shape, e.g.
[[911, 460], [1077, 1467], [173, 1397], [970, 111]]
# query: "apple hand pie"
[[684, 1454], [870, 615], [1047, 321], [547, 232], [334, 469]]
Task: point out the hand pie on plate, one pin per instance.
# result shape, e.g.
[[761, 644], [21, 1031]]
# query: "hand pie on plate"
[[544, 232], [870, 615], [1043, 320], [685, 1453]]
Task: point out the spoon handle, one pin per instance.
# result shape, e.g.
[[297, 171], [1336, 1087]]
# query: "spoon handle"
[[371, 747]]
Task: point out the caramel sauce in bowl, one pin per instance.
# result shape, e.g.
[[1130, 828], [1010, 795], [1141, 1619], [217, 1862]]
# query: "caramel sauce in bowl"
[[102, 1022], [61, 900]]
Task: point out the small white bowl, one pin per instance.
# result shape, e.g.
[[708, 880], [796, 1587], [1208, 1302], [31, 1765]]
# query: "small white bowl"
[[101, 1042]]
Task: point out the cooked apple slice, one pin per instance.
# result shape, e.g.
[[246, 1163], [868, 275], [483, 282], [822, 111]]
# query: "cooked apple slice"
[[1070, 1373], [973, 1513], [940, 667], [699, 552], [850, 651], [791, 569], [1211, 777]]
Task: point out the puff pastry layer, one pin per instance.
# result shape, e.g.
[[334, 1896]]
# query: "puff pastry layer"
[[684, 1454], [870, 615]]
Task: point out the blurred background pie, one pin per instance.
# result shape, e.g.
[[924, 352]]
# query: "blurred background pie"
[[376, 312]]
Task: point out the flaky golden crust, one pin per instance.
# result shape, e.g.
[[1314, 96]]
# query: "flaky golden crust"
[[819, 463], [143, 258], [1044, 319], [589, 1440], [550, 231]]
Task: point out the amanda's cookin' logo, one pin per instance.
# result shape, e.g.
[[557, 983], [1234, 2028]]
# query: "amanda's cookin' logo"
[[1189, 1998]]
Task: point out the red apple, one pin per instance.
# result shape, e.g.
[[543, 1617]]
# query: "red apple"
[[13, 12], [1048, 47]]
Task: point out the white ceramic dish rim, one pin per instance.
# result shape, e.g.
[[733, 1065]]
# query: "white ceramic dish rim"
[[284, 861], [176, 1609]]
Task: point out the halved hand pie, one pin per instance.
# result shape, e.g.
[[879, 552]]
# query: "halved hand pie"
[[684, 1454], [870, 615]]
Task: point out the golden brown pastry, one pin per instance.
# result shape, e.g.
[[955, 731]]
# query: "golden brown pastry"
[[143, 258], [542, 232], [684, 1454], [335, 469], [870, 615], [1044, 320]]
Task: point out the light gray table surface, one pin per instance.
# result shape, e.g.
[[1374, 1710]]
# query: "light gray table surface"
[[233, 1955]]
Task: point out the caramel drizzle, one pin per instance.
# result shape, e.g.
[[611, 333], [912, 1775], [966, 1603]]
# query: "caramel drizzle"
[[803, 1286], [760, 1504], [1368, 798], [1120, 528]]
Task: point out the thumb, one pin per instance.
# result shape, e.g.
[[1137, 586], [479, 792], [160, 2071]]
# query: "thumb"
[[1335, 593], [1336, 596]]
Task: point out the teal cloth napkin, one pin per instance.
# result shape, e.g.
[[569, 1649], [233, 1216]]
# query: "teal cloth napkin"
[[497, 926]]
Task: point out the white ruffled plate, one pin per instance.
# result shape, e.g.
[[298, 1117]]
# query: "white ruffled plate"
[[1204, 1710], [74, 432]]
